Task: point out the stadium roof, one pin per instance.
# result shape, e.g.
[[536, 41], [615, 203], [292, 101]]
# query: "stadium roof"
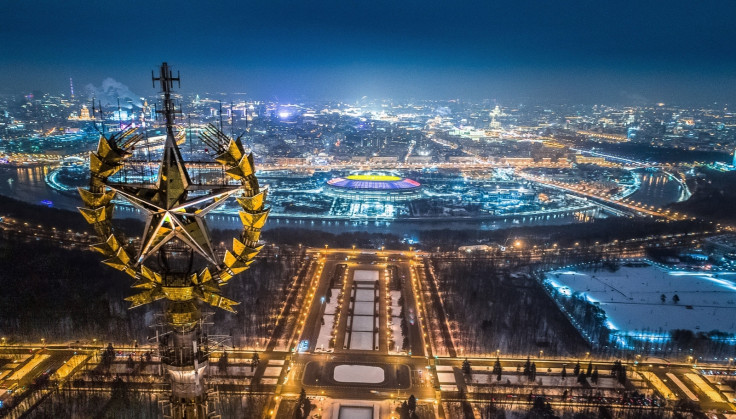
[[373, 182]]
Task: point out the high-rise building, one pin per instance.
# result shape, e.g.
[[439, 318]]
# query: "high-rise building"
[[175, 208], [84, 113]]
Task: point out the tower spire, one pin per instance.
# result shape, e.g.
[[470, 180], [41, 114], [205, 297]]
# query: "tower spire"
[[177, 233], [173, 178]]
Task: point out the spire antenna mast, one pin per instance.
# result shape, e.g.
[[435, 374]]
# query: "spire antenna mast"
[[232, 120], [166, 80], [220, 116]]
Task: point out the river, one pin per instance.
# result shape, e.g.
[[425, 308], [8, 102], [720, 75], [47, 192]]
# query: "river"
[[28, 184]]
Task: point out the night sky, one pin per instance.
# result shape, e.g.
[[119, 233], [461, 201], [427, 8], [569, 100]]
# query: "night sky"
[[585, 51]]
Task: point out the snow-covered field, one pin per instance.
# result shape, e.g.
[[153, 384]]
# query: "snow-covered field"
[[446, 377], [365, 275], [365, 295], [362, 341], [240, 370], [355, 412], [631, 298], [362, 323], [545, 380], [395, 308], [396, 335], [363, 308], [325, 330], [351, 409], [331, 306], [359, 374], [272, 371], [325, 333]]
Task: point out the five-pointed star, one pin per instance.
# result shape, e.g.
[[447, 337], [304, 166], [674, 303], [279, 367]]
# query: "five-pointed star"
[[170, 214]]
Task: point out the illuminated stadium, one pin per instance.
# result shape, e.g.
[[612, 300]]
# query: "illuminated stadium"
[[374, 187]]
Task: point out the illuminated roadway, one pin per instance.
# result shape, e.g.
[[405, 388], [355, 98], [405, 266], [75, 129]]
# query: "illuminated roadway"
[[635, 207]]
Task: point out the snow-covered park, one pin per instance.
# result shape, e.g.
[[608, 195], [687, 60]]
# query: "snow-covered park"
[[395, 323], [652, 299], [362, 341], [359, 374], [365, 275], [325, 331], [363, 319]]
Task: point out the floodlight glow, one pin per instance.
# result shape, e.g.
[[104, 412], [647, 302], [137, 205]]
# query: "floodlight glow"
[[374, 178], [284, 114]]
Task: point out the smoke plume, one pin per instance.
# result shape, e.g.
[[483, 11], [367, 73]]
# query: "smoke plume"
[[110, 91]]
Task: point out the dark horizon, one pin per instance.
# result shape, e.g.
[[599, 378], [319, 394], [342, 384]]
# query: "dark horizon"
[[579, 52]]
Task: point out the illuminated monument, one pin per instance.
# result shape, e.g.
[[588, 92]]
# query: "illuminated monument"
[[175, 260]]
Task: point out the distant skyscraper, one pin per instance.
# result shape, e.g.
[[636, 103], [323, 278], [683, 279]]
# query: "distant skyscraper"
[[84, 114], [733, 163], [631, 133], [71, 87], [493, 114]]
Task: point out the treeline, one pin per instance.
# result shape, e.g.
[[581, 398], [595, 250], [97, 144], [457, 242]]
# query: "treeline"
[[319, 238], [121, 402], [56, 293], [492, 309], [714, 197], [260, 290], [540, 408], [600, 230], [644, 151], [61, 219], [591, 318], [124, 400], [62, 294]]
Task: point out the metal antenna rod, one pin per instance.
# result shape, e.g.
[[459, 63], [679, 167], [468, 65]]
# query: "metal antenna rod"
[[167, 80], [102, 117], [221, 116], [232, 119], [148, 148], [189, 134], [94, 116], [120, 116], [246, 123]]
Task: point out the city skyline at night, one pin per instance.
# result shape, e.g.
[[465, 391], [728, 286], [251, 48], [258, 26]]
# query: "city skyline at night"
[[623, 52], [368, 210]]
